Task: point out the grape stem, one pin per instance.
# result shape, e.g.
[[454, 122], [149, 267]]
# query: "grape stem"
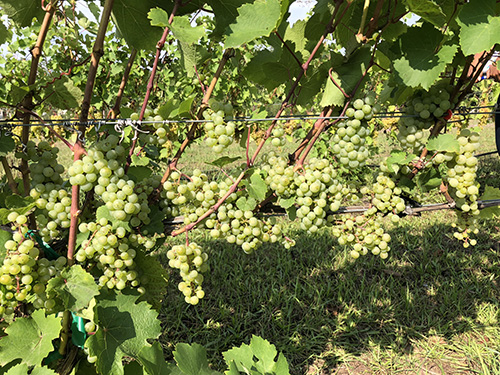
[[115, 111], [159, 48], [10, 178], [288, 48]]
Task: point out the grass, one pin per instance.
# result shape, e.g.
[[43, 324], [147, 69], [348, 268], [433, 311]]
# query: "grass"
[[431, 308], [432, 302]]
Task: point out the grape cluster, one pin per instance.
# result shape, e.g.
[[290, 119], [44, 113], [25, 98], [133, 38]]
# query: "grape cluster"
[[190, 260], [23, 275], [44, 167], [277, 137], [195, 195], [161, 132], [113, 252], [51, 199], [363, 233], [218, 135], [387, 197], [461, 180], [316, 188], [348, 142], [421, 113]]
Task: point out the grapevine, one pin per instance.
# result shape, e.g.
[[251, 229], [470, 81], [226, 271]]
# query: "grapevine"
[[82, 236]]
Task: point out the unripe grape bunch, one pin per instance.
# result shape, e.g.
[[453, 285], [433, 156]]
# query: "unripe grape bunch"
[[348, 144]]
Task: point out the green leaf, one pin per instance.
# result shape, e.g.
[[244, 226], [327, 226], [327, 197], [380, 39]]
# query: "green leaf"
[[479, 26], [192, 359], [490, 193], [139, 173], [420, 64], [7, 144], [152, 360], [398, 158], [124, 328], [4, 237], [156, 223], [428, 10], [19, 369], [37, 333], [225, 12], [246, 204], [80, 237], [139, 160], [292, 212], [254, 21], [131, 20], [15, 201], [181, 26], [22, 11], [286, 203], [75, 287], [258, 356], [444, 142], [429, 179], [43, 371], [103, 212], [332, 95], [63, 94], [17, 94], [223, 161], [256, 186], [348, 74], [5, 34]]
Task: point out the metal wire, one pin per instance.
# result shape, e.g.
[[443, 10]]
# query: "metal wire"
[[68, 123]]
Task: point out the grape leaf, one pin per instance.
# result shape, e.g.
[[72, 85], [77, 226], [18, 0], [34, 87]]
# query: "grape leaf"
[[7, 144], [4, 237], [254, 21], [223, 161], [37, 333], [192, 359], [42, 371], [156, 223], [257, 187], [444, 142], [153, 361], [15, 201], [124, 327], [139, 173], [181, 26], [398, 158], [157, 278], [130, 18], [225, 12], [479, 26], [260, 356], [63, 94], [428, 10], [75, 287], [347, 74], [139, 160], [490, 193], [246, 204], [420, 64], [286, 203], [19, 369], [5, 34], [332, 95], [103, 212], [429, 179], [22, 11]]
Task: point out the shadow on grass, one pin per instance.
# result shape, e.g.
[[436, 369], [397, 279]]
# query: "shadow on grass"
[[314, 302]]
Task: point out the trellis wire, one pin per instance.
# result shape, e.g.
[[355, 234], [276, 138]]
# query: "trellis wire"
[[409, 210], [100, 122]]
